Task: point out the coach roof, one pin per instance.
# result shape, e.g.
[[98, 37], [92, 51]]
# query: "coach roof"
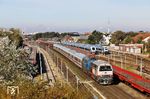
[[71, 52]]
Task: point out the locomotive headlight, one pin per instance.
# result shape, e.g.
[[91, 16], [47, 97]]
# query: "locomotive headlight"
[[93, 49]]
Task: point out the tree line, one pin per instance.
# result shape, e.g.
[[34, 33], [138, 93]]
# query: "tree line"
[[120, 37], [52, 35], [96, 37]]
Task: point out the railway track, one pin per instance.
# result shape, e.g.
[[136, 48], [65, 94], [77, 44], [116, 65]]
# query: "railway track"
[[122, 61], [134, 60], [112, 90]]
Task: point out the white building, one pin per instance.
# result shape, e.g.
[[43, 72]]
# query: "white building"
[[106, 39], [131, 48]]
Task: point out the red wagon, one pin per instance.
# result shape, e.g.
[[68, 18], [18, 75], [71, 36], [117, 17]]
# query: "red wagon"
[[133, 79]]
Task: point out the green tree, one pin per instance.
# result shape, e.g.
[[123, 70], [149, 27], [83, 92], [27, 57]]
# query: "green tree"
[[139, 40], [131, 34], [45, 35], [95, 38], [118, 37], [127, 40], [15, 63], [14, 35], [91, 39]]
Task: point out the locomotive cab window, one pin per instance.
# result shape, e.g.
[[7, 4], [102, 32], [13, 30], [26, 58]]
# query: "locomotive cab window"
[[105, 68]]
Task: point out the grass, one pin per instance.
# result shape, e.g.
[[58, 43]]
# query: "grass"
[[30, 90]]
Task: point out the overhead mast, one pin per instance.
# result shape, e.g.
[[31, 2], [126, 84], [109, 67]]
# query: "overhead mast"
[[108, 30]]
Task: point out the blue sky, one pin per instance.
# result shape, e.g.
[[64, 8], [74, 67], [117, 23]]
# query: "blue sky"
[[75, 15]]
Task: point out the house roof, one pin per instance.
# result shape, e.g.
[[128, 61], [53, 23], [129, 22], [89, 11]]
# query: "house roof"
[[141, 36], [146, 39]]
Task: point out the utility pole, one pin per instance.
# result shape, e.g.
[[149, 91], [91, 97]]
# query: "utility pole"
[[40, 65], [67, 73], [121, 61], [125, 61], [114, 59], [141, 67], [77, 82], [61, 65], [136, 59], [57, 62]]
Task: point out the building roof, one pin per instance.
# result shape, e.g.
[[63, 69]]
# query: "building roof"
[[146, 39], [70, 51], [140, 36]]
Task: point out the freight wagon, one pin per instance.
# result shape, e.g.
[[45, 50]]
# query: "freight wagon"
[[133, 79]]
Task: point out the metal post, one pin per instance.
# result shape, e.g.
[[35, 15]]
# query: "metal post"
[[40, 65], [61, 65], [141, 67], [114, 59], [57, 62], [121, 61], [125, 62], [67, 73], [108, 58], [136, 60], [77, 82]]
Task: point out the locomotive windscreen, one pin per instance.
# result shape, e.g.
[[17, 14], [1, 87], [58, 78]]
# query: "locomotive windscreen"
[[105, 68]]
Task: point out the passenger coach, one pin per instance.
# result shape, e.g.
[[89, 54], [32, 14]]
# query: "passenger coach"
[[99, 70]]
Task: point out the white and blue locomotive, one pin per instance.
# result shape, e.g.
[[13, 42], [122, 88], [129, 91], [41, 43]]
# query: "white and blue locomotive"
[[99, 70], [94, 48]]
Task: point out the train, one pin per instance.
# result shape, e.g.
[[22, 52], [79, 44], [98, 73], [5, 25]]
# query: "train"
[[99, 70], [130, 78], [136, 81], [93, 48]]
